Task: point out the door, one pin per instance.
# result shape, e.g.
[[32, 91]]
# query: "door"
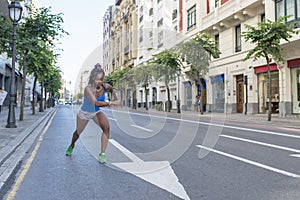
[[239, 94]]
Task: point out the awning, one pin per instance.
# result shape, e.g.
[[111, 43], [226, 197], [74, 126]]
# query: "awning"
[[264, 68], [294, 63]]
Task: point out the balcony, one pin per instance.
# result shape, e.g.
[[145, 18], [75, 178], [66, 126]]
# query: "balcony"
[[230, 13]]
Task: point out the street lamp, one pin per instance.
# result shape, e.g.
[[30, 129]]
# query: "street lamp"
[[15, 13]]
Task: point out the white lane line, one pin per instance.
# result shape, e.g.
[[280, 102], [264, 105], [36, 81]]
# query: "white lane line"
[[219, 125], [111, 119], [262, 143], [295, 155], [286, 173], [145, 129]]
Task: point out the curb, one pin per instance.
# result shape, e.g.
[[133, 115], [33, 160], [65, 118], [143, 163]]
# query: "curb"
[[15, 151]]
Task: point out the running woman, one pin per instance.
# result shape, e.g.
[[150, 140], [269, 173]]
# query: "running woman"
[[89, 110]]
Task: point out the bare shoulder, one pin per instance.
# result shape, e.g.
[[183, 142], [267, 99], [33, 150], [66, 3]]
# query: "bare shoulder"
[[87, 89]]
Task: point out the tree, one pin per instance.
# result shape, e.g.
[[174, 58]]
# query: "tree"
[[198, 51], [39, 31], [143, 77], [266, 37], [128, 81], [5, 34], [53, 83], [114, 79], [166, 65]]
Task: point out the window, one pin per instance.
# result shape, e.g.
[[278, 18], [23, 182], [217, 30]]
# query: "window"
[[279, 8], [262, 17], [217, 42], [174, 14], [141, 35], [158, 1], [141, 18], [160, 22], [151, 34], [288, 7], [191, 18], [151, 12], [238, 39], [160, 39]]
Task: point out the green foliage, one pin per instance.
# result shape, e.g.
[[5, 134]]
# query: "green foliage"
[[128, 80], [78, 96], [114, 78], [197, 51], [53, 81], [143, 74], [6, 30], [207, 44], [266, 36], [165, 66]]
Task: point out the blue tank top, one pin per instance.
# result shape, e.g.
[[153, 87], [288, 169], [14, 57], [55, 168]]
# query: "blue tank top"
[[101, 98], [87, 106]]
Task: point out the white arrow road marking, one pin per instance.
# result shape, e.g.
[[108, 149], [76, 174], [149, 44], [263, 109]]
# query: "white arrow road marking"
[[158, 173], [286, 173], [145, 129]]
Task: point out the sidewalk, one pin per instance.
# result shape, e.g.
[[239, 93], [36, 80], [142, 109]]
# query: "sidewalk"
[[292, 121], [14, 141]]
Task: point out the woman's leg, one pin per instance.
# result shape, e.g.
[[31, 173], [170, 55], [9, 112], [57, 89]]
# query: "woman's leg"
[[80, 126], [102, 121]]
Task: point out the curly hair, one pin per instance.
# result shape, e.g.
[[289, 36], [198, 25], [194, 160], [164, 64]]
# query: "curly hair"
[[97, 70]]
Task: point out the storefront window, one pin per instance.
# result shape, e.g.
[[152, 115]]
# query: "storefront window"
[[263, 89], [188, 95], [296, 90], [218, 93]]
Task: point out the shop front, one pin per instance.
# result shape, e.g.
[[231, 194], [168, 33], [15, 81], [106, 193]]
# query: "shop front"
[[295, 83], [202, 93], [188, 98], [263, 88], [218, 93]]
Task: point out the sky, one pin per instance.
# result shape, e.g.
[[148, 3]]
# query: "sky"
[[83, 21]]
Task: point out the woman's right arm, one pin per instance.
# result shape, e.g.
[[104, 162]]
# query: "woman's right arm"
[[88, 92]]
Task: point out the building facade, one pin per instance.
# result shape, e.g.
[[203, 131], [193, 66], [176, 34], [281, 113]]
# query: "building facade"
[[232, 85], [122, 43], [157, 31]]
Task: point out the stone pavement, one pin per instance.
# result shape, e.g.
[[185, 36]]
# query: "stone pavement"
[[15, 142]]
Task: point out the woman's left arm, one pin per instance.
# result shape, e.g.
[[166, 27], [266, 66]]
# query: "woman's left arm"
[[110, 88]]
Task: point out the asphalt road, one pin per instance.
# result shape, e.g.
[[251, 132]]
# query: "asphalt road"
[[162, 157]]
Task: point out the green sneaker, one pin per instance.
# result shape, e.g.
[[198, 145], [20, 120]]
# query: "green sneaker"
[[102, 158], [69, 151]]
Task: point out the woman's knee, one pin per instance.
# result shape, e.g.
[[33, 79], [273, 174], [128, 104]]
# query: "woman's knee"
[[106, 128]]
